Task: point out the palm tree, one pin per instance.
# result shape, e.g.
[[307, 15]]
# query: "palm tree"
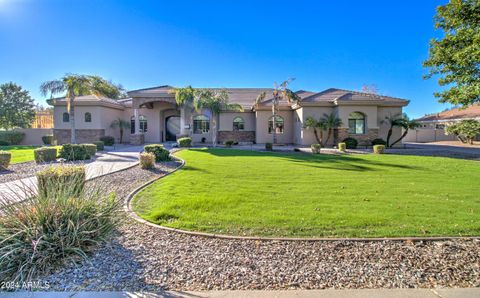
[[392, 121], [321, 125], [184, 97], [122, 125], [74, 85], [214, 101], [280, 92], [332, 122], [407, 124]]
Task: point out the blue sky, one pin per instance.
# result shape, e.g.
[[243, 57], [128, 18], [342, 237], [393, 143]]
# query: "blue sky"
[[323, 44]]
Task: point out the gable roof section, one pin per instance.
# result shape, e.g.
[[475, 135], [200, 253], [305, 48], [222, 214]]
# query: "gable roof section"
[[89, 100], [334, 95], [471, 112]]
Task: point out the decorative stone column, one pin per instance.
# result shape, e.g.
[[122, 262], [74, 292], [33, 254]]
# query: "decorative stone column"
[[137, 138], [136, 120]]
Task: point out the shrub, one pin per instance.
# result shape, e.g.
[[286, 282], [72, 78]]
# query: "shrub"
[[54, 180], [378, 149], [316, 148], [5, 158], [74, 152], [229, 143], [47, 139], [108, 140], [45, 154], [4, 143], [351, 143], [268, 146], [379, 141], [100, 145], [42, 233], [184, 142], [91, 149], [12, 137], [161, 154], [147, 160], [203, 140], [342, 147]]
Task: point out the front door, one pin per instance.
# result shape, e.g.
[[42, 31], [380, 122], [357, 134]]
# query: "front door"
[[172, 124]]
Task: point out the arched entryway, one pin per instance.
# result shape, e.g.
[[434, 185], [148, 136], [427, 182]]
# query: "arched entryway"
[[172, 124]]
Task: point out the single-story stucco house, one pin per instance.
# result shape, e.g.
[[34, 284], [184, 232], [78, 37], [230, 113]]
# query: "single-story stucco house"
[[155, 117]]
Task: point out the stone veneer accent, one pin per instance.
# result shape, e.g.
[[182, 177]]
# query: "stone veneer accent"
[[137, 139], [237, 136], [62, 136], [363, 140]]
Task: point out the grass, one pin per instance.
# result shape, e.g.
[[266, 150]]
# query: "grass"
[[277, 194], [21, 153]]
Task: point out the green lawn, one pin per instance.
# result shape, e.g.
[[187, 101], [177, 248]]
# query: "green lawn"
[[276, 194], [21, 153]]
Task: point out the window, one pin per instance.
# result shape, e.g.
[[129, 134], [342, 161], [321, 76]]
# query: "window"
[[278, 124], [201, 124], [88, 117], [356, 123], [238, 123], [66, 117], [143, 124]]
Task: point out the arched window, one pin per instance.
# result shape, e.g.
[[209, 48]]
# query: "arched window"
[[88, 117], [66, 117], [356, 123], [143, 124], [201, 124], [238, 123], [278, 124]]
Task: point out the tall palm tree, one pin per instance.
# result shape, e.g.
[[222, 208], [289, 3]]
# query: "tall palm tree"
[[122, 125], [73, 85], [280, 92], [407, 124], [320, 124], [392, 121], [332, 122], [214, 101], [184, 97]]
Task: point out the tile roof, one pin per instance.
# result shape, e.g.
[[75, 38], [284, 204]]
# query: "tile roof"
[[91, 98], [334, 94], [470, 112]]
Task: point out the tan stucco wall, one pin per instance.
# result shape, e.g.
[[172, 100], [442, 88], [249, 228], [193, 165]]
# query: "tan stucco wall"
[[262, 135], [307, 136], [226, 120], [370, 113], [383, 127], [33, 136]]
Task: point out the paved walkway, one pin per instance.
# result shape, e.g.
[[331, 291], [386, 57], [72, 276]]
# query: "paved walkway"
[[106, 162], [442, 147]]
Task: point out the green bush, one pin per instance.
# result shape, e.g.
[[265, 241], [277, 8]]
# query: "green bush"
[[268, 146], [316, 148], [351, 143], [184, 142], [161, 154], [5, 158], [47, 139], [147, 160], [54, 180], [100, 145], [379, 149], [342, 147], [229, 143], [44, 233], [74, 152], [45, 154], [108, 140], [4, 143], [379, 141], [12, 137], [91, 149]]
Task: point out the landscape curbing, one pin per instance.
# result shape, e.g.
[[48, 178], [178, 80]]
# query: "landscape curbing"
[[128, 209]]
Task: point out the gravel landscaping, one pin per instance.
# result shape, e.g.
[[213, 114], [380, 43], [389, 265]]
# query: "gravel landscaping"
[[141, 257]]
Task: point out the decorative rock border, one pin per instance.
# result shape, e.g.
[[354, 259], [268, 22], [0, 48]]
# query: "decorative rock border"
[[128, 209]]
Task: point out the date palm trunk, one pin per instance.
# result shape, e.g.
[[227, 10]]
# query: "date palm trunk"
[[214, 131], [400, 138], [71, 112]]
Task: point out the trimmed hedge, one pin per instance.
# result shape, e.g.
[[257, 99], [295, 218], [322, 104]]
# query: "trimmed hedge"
[[57, 180], [147, 160], [74, 152], [379, 149], [100, 145], [342, 147], [4, 143], [45, 154], [229, 143], [5, 158], [91, 149], [269, 146], [184, 142], [11, 137], [379, 141], [161, 154], [316, 148], [351, 143], [47, 139], [108, 140]]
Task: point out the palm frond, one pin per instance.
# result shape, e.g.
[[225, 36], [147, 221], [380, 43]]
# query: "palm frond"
[[52, 87]]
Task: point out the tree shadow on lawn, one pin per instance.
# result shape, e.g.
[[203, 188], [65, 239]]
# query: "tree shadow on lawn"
[[324, 161]]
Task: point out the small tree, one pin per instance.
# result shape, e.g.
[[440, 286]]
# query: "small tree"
[[317, 126], [392, 121], [465, 130], [17, 108], [406, 124], [184, 98], [121, 125], [332, 122]]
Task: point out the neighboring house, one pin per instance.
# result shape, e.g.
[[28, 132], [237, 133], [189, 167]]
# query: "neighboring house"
[[155, 117]]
